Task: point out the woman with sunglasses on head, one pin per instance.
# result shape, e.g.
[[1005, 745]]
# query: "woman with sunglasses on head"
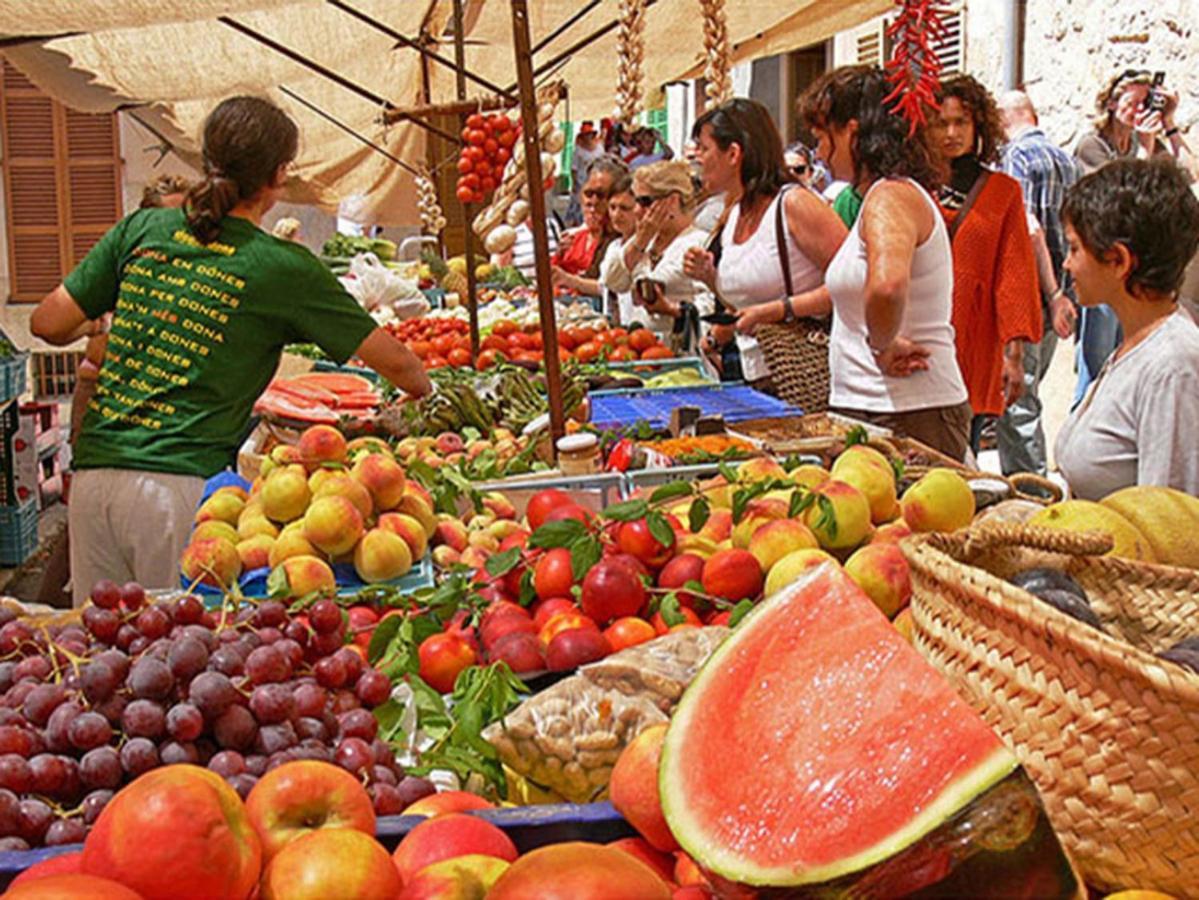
[[204, 301], [891, 351], [741, 154], [576, 265], [672, 300]]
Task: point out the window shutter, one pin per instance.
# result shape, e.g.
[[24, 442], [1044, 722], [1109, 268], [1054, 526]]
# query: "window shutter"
[[868, 44], [951, 49], [62, 181]]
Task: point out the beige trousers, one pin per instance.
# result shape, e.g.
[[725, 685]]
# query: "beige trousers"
[[128, 525]]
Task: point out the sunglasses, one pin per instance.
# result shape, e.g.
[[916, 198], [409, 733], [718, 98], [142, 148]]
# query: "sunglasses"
[[799, 170], [645, 201]]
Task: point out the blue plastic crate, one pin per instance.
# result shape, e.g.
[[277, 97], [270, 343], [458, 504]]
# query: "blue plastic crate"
[[736, 403], [529, 827], [18, 532], [14, 376]]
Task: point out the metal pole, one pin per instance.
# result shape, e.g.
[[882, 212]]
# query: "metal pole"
[[284, 89], [472, 294], [541, 246]]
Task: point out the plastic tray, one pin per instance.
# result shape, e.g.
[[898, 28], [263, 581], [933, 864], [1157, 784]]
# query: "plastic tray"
[[636, 479], [529, 827], [18, 532], [736, 403], [593, 492]]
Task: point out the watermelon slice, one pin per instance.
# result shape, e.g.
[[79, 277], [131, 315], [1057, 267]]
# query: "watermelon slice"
[[335, 382], [816, 743]]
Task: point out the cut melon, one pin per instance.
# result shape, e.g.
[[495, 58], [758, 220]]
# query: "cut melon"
[[816, 743]]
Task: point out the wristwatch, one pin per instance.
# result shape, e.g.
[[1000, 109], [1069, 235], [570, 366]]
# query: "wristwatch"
[[788, 310]]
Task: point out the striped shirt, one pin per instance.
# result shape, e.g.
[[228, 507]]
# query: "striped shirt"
[[1044, 171]]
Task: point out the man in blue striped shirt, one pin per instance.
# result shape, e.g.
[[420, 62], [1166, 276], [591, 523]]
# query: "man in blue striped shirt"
[[1044, 171]]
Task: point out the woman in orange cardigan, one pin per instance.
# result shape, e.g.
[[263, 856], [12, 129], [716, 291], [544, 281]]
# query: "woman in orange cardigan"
[[996, 299]]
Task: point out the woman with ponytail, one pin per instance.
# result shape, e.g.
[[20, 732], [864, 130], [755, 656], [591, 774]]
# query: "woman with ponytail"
[[203, 302]]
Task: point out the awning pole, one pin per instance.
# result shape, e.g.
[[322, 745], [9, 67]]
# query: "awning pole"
[[472, 293]]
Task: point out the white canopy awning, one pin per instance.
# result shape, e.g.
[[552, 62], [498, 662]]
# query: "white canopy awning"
[[175, 59]]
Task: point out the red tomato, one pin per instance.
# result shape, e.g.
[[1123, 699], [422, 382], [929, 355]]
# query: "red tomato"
[[476, 136], [482, 169], [475, 120], [490, 146], [506, 138], [587, 352], [657, 352], [458, 357], [584, 334], [474, 154], [420, 348], [504, 327], [622, 354], [494, 342], [502, 155], [501, 122], [471, 181], [465, 194], [443, 344], [489, 358], [566, 339], [488, 184], [642, 339], [435, 362], [465, 166]]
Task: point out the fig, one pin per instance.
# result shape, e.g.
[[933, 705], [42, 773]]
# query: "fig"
[[1185, 653], [1069, 603], [1037, 581]]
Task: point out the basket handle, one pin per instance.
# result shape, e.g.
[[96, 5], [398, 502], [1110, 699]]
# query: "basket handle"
[[993, 534], [1043, 490]]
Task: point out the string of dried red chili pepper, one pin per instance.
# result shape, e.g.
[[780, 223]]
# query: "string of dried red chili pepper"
[[914, 69]]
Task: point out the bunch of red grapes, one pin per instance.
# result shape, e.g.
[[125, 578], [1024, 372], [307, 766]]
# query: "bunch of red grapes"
[[86, 708]]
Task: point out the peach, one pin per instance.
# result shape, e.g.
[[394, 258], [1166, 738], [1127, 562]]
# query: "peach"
[[221, 507], [323, 474], [891, 533], [474, 557], [211, 528], [774, 540], [697, 545], [500, 505], [331, 862], [451, 532], [237, 491], [579, 871], [284, 455], [290, 544], [718, 492], [299, 797], [501, 529], [483, 540], [634, 788], [662, 863], [340, 484], [301, 575], [449, 442], [719, 526], [333, 524], [255, 525], [760, 468], [809, 475], [383, 477], [733, 574], [285, 495], [758, 513], [445, 557], [871, 473], [447, 802], [362, 445], [940, 501], [255, 552], [63, 864], [846, 524], [791, 566], [211, 561], [381, 555], [407, 528], [467, 877], [419, 506], [178, 832], [69, 886], [321, 444], [447, 836], [882, 572], [904, 625]]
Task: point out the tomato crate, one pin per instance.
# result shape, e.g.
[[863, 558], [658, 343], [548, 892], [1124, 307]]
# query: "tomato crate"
[[18, 532], [54, 373], [14, 371]]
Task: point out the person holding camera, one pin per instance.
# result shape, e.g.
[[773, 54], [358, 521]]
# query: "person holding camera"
[[1135, 119], [1132, 226]]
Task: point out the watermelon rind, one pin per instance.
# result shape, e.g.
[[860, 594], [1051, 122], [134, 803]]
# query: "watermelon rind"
[[737, 867]]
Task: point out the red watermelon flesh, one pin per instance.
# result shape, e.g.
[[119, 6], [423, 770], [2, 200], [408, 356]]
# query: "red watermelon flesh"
[[335, 382], [816, 742]]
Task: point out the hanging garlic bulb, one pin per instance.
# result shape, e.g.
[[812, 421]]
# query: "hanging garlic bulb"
[[432, 219], [630, 51], [719, 57]]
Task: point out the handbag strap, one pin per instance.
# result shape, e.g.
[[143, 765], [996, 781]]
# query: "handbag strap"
[[780, 236], [977, 188]]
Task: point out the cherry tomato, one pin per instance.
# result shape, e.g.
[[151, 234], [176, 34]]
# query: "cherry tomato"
[[506, 138], [465, 165], [478, 197], [482, 169], [471, 181], [474, 154], [465, 194], [502, 155], [476, 137], [490, 146], [475, 120], [488, 184]]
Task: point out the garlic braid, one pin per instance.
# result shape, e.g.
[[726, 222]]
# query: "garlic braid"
[[716, 42], [630, 50]]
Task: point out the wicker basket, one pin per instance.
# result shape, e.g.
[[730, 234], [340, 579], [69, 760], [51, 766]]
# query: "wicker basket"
[[1109, 732], [796, 354]]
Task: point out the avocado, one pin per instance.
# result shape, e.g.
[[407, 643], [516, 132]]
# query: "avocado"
[[1185, 653], [1036, 581], [1069, 603]]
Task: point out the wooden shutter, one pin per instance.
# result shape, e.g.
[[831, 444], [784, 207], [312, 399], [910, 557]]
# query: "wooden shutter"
[[869, 44], [951, 49], [62, 183]]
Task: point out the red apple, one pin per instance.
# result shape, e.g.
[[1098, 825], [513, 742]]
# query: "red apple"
[[331, 862], [447, 836], [303, 796]]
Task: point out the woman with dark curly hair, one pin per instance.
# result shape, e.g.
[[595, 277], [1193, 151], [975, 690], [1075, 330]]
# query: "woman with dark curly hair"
[[996, 303], [891, 350], [1131, 227]]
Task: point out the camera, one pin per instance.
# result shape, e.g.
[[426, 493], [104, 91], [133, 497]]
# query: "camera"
[[1155, 100]]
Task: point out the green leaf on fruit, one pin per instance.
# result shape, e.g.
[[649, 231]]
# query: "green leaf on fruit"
[[697, 518], [277, 586], [659, 526], [671, 491], [627, 511], [382, 636], [558, 534], [826, 521], [527, 592], [727, 471], [694, 587], [856, 435], [898, 468], [740, 611], [585, 552], [797, 503], [672, 613], [501, 564]]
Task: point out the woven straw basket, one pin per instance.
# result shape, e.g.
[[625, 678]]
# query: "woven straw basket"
[[796, 354], [1109, 732]]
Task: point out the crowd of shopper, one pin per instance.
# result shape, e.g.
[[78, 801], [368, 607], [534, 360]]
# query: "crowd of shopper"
[[943, 264]]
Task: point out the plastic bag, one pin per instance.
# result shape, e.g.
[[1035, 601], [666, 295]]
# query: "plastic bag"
[[567, 738], [659, 670], [373, 284]]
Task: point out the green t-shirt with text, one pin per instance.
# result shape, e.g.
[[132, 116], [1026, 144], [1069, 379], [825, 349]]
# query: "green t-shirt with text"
[[196, 335]]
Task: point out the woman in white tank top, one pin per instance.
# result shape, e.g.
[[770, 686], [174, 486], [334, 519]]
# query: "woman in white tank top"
[[891, 351], [741, 154]]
